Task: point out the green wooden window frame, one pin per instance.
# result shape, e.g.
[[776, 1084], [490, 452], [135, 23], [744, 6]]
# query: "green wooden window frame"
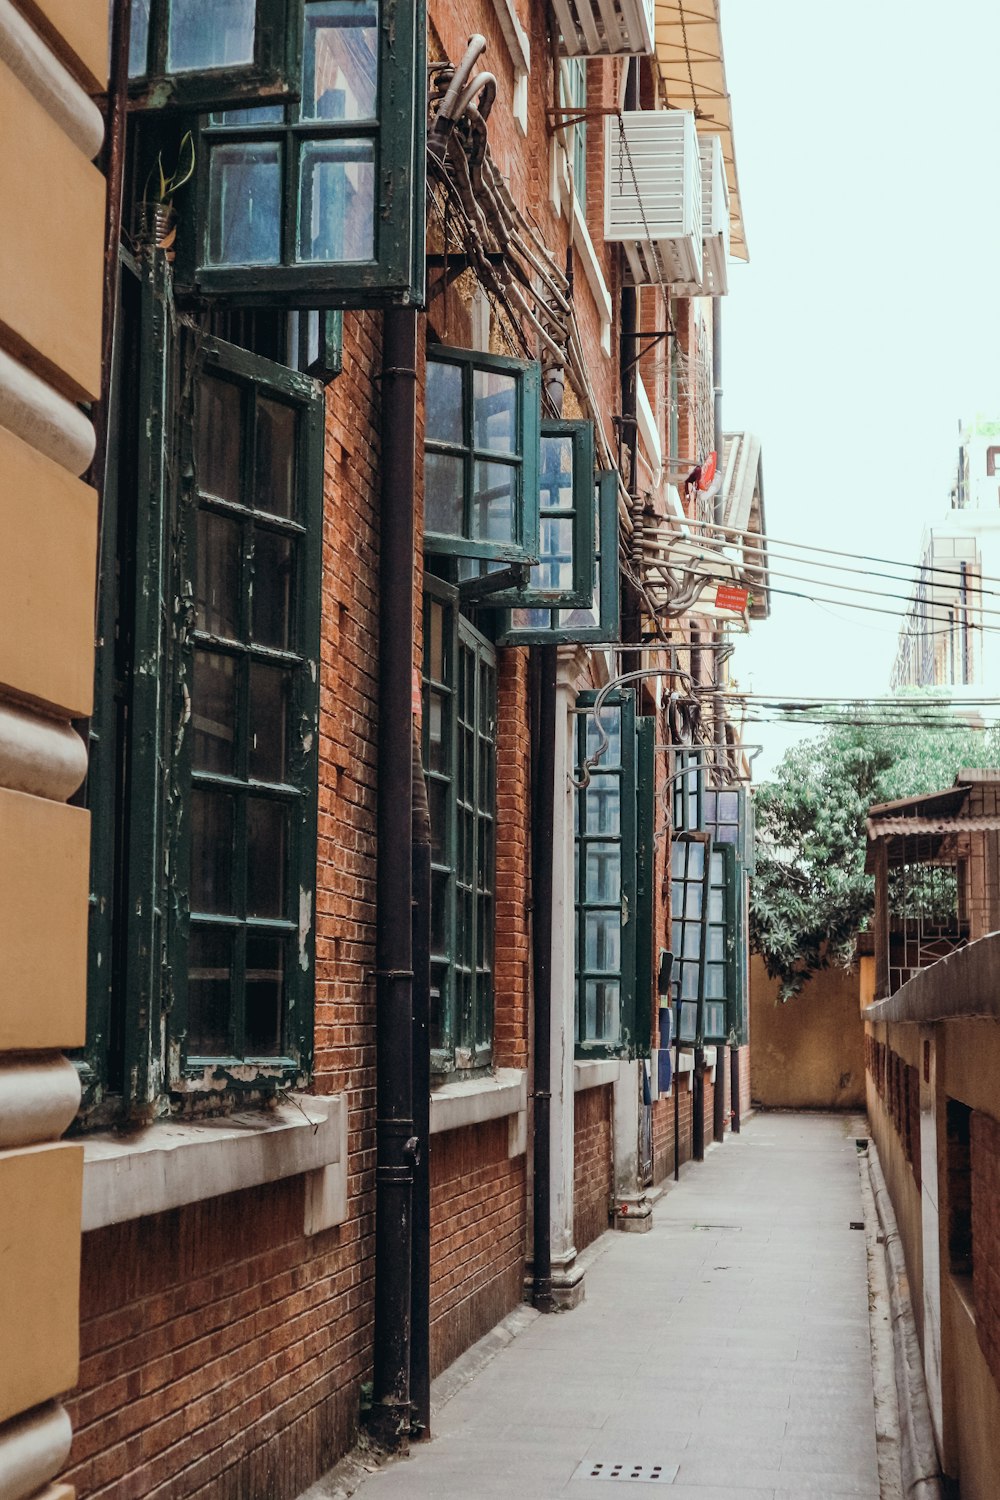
[[320, 203], [573, 95], [598, 620], [688, 791], [481, 444], [717, 984], [147, 784], [317, 343], [177, 60], [613, 936], [459, 757], [690, 858]]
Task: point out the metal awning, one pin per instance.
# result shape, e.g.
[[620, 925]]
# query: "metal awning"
[[693, 76], [888, 828]]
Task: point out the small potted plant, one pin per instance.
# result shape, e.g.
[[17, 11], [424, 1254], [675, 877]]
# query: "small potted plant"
[[157, 215]]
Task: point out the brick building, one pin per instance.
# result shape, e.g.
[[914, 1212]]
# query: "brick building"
[[415, 814]]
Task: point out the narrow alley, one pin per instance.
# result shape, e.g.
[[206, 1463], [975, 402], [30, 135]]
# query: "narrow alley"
[[725, 1353]]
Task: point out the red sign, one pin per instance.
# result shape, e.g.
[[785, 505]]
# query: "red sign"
[[730, 596], [707, 472]]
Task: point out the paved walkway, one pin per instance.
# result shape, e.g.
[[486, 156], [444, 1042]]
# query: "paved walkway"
[[729, 1346]]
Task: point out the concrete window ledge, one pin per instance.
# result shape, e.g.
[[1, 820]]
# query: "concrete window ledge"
[[592, 1074], [174, 1162], [472, 1101]]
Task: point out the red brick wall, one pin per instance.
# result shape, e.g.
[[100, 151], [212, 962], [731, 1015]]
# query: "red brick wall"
[[512, 953], [593, 1164], [663, 1132], [478, 1202], [985, 1154]]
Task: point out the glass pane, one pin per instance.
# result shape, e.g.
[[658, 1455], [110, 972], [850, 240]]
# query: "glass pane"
[[444, 494], [693, 902], [435, 643], [264, 996], [716, 944], [259, 114], [341, 61], [337, 200], [210, 962], [268, 722], [138, 42], [220, 438], [273, 561], [267, 830], [696, 861], [213, 713], [244, 206], [274, 458], [217, 35], [715, 981], [611, 724], [439, 911], [493, 503], [444, 403], [603, 941], [437, 749], [716, 906], [715, 1020], [437, 796], [555, 570], [729, 807], [556, 478], [212, 825], [217, 575], [689, 981], [691, 941], [688, 1022], [602, 1010], [494, 411], [603, 874], [603, 805]]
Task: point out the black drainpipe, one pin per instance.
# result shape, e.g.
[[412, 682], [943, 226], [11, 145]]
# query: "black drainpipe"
[[543, 734], [719, 1096], [395, 1145], [420, 1259], [629, 375]]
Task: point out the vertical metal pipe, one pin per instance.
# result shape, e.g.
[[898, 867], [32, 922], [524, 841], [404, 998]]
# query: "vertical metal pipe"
[[734, 1088], [420, 1257], [719, 1097], [698, 1105], [395, 1146], [629, 377], [543, 737], [963, 567]]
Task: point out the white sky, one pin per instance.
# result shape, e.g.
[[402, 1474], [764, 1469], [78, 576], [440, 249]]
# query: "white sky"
[[868, 320]]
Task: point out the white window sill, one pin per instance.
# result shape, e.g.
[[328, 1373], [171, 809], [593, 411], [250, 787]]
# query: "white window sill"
[[584, 246], [591, 1075], [647, 427], [473, 1101], [174, 1162]]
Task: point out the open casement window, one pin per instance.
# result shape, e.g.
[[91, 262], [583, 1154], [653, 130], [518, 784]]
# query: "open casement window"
[[689, 870], [481, 455], [459, 757], [613, 885], [688, 791], [319, 203], [598, 620], [204, 746], [213, 54]]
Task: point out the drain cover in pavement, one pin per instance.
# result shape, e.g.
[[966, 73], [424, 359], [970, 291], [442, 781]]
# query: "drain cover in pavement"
[[593, 1468]]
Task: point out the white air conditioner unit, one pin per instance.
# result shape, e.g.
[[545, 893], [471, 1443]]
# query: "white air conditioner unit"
[[714, 217], [652, 197], [606, 28]]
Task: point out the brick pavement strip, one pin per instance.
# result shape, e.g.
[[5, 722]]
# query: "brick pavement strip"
[[730, 1346]]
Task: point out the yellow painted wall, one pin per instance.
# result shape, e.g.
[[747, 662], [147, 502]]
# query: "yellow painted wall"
[[49, 523], [809, 1052], [52, 246], [43, 924], [972, 1402], [78, 31], [40, 1190], [903, 1192]]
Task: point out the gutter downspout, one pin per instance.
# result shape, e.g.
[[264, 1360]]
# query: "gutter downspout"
[[395, 1144], [543, 734], [718, 667], [629, 377], [420, 1253]]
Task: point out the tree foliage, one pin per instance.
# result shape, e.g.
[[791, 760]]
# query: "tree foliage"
[[810, 895]]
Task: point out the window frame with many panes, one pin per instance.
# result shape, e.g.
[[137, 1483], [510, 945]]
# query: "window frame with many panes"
[[459, 758], [177, 61]]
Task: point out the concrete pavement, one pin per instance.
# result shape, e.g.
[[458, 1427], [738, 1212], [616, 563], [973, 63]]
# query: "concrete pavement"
[[725, 1355]]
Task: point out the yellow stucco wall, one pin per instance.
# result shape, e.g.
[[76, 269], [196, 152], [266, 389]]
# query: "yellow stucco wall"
[[40, 1189], [972, 1401], [78, 31], [808, 1053]]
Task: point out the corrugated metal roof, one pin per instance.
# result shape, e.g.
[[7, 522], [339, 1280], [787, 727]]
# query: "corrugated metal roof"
[[887, 828]]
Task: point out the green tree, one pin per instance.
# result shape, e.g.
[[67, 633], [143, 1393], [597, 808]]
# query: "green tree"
[[810, 895]]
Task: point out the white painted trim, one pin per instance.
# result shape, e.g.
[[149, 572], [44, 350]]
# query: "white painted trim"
[[43, 418], [584, 246], [473, 1101], [174, 1162], [647, 426], [44, 76], [591, 1075], [33, 1447], [39, 1097], [519, 47], [39, 756]]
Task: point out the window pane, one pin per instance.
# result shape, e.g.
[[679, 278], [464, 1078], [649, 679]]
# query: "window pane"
[[210, 962], [435, 643], [438, 798], [696, 861], [220, 439], [493, 502], [264, 995], [268, 722], [274, 458], [603, 801], [556, 478], [260, 114], [244, 213], [336, 200], [555, 570], [444, 403], [217, 576], [273, 561], [611, 723], [212, 827], [213, 713], [138, 42], [693, 902], [494, 403], [214, 35], [341, 61], [267, 829], [602, 1010], [444, 485], [437, 749], [603, 941], [604, 872]]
